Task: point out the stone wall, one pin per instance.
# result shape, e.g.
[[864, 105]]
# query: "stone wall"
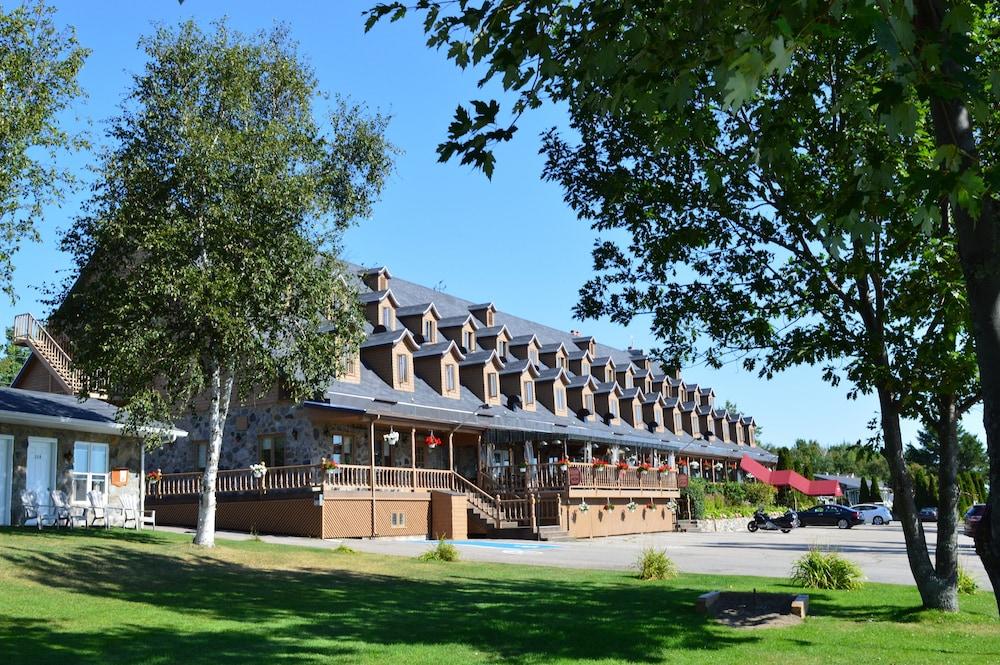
[[122, 453], [712, 526]]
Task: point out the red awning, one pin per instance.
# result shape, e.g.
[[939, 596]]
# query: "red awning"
[[788, 478]]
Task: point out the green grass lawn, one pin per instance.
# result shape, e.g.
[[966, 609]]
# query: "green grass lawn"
[[96, 597]]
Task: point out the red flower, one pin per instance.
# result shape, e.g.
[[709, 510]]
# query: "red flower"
[[622, 466]]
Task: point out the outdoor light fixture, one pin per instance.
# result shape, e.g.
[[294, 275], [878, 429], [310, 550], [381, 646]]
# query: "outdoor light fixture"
[[718, 466], [694, 465]]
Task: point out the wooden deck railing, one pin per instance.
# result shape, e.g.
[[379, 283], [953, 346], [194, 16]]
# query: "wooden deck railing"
[[237, 480], [541, 477]]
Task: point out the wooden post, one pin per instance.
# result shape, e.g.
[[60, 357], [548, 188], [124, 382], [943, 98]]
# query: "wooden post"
[[451, 452], [371, 469], [533, 507], [413, 456]]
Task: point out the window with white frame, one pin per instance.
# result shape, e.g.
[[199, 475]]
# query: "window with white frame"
[[588, 402], [387, 317], [502, 348], [201, 454], [529, 392], [429, 331], [402, 368], [584, 368], [341, 448], [628, 380], [637, 412], [533, 356], [449, 378], [560, 399], [90, 469], [468, 340], [494, 388], [613, 406]]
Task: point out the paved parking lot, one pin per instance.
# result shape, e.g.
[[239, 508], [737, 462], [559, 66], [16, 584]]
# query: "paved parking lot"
[[879, 550]]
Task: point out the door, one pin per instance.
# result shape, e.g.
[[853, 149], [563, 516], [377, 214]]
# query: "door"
[[6, 477], [41, 471]]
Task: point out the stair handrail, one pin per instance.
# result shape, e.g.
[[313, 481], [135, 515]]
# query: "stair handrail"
[[28, 327], [478, 493]]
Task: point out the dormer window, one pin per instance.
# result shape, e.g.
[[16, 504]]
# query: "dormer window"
[[584, 368], [469, 341], [533, 356], [494, 387], [403, 368], [449, 377], [502, 348], [560, 399], [529, 392], [561, 362], [588, 402], [609, 375], [387, 318], [628, 381], [429, 331], [613, 406], [637, 413]]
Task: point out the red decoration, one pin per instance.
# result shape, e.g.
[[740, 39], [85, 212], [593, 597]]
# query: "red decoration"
[[599, 463], [432, 441], [643, 468], [622, 466]]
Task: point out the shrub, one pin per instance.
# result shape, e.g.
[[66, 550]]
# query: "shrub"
[[343, 549], [655, 565], [759, 494], [819, 570], [443, 551], [966, 583], [693, 495]]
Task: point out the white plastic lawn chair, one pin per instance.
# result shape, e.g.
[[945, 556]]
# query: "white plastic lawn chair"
[[98, 508], [32, 514], [65, 513], [132, 513]]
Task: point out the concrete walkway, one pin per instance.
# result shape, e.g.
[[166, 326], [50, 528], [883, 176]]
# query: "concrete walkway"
[[879, 550]]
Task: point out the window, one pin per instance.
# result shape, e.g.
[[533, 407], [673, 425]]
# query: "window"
[[272, 449], [402, 368], [351, 366], [491, 378], [449, 378], [533, 356], [638, 414], [387, 318], [398, 520], [502, 348], [609, 375], [201, 454], [429, 332], [584, 368], [468, 340], [561, 362], [529, 392], [588, 402], [341, 449], [613, 406], [560, 399], [628, 380], [90, 469]]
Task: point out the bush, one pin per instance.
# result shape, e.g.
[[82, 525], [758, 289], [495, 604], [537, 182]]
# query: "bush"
[[818, 570], [443, 551], [655, 565], [344, 549], [693, 495], [966, 583]]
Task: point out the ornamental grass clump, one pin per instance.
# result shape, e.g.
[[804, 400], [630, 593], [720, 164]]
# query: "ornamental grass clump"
[[443, 551], [966, 583], [344, 549], [654, 564], [826, 570]]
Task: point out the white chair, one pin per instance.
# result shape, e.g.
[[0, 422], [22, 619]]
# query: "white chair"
[[98, 508], [32, 511], [132, 513], [65, 513]]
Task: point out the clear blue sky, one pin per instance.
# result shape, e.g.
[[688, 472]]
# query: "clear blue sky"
[[530, 255]]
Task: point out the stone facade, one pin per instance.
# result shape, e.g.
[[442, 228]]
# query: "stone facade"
[[122, 453]]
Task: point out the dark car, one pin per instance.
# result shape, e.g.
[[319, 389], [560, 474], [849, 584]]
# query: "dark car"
[[927, 515], [973, 516], [830, 515]]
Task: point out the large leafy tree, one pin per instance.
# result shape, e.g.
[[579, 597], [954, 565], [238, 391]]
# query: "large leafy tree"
[[12, 360], [932, 65], [206, 261], [39, 64]]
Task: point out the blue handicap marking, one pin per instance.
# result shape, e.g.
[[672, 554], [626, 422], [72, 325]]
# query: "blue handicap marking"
[[493, 544]]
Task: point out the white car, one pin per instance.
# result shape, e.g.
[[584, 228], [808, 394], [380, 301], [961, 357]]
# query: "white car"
[[874, 513]]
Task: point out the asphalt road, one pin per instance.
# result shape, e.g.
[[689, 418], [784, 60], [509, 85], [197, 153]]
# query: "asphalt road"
[[879, 550]]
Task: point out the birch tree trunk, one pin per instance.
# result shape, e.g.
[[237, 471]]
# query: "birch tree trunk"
[[221, 394]]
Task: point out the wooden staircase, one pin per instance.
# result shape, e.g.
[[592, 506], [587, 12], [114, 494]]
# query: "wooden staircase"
[[29, 332]]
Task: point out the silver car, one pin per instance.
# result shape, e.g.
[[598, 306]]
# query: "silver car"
[[874, 513]]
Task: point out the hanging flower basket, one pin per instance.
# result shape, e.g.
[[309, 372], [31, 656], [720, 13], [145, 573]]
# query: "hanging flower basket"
[[392, 438], [643, 468], [432, 441], [650, 506], [599, 463], [331, 467], [631, 506], [583, 507], [622, 466], [258, 470], [608, 507], [663, 468], [563, 464], [154, 477], [523, 468]]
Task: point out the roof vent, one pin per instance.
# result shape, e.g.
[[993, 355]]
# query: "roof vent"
[[379, 329]]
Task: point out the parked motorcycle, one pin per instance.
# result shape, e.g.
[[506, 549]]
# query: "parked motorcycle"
[[783, 523]]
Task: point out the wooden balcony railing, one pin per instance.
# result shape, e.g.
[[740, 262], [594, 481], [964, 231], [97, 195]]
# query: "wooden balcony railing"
[[541, 477], [238, 480], [30, 332]]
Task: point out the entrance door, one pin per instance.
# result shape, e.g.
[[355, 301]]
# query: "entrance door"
[[6, 477], [41, 472]]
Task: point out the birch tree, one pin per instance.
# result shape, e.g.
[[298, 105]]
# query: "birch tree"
[[206, 259]]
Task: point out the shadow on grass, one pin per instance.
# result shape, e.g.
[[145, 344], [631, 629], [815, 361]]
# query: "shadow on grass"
[[299, 614]]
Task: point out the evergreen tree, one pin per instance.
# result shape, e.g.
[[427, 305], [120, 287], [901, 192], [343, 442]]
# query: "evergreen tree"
[[784, 496], [863, 494], [874, 493]]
